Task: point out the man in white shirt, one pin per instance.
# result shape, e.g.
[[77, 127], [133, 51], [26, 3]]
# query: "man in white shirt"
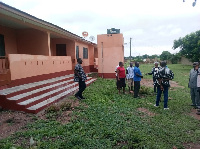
[[116, 76], [129, 77]]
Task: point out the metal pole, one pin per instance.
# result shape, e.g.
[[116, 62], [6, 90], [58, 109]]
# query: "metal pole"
[[130, 49], [102, 59]]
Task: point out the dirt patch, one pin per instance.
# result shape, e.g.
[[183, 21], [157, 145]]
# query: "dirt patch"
[[149, 83], [191, 146], [146, 111], [13, 121], [193, 114]]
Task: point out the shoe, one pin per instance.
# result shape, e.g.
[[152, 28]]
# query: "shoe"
[[192, 105], [82, 97], [166, 108], [198, 110], [156, 106], [78, 97]]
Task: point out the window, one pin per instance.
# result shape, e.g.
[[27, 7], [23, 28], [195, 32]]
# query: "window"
[[77, 52], [85, 53]]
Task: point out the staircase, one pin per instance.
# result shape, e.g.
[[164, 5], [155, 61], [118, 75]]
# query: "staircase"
[[36, 96]]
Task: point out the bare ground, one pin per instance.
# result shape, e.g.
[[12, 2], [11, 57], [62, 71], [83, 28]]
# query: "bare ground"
[[13, 121]]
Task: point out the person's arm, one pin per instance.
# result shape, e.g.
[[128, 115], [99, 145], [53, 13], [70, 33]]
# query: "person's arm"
[[118, 74], [76, 73], [138, 74]]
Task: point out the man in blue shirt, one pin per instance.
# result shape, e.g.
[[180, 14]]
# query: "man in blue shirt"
[[137, 79]]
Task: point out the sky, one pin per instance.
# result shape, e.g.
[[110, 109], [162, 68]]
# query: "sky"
[[153, 25]]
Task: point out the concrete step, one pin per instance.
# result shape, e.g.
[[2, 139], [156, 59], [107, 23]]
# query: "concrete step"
[[34, 97]]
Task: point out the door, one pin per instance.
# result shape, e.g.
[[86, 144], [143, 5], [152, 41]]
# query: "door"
[[61, 50], [2, 46]]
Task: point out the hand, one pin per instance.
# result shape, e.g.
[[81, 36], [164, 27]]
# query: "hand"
[[141, 76], [161, 87]]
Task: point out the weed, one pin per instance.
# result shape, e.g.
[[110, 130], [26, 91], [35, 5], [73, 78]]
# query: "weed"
[[65, 106]]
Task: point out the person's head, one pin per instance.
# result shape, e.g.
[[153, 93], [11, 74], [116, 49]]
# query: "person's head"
[[131, 64], [163, 63], [137, 64], [196, 65], [79, 60], [156, 64], [121, 64]]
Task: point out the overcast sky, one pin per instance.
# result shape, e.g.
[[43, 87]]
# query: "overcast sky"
[[153, 25]]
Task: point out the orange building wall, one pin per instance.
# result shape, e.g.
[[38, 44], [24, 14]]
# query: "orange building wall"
[[9, 39], [110, 53], [85, 63], [31, 41], [23, 65]]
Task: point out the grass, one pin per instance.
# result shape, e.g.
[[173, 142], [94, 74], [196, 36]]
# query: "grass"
[[113, 121]]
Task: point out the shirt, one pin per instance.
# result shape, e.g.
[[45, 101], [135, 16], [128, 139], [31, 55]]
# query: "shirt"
[[154, 71], [164, 73], [198, 80], [121, 72], [137, 71], [193, 78], [81, 72], [130, 72], [116, 70]]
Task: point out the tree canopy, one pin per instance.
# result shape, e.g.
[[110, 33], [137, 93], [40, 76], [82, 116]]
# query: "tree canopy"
[[189, 46], [166, 55]]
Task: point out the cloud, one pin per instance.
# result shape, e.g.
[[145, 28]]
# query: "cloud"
[[153, 25]]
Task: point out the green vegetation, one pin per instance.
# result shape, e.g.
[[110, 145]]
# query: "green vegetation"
[[189, 46], [113, 121]]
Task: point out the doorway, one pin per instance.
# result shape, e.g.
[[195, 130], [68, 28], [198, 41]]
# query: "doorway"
[[2, 46], [61, 50]]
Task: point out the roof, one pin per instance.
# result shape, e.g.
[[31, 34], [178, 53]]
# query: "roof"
[[23, 19]]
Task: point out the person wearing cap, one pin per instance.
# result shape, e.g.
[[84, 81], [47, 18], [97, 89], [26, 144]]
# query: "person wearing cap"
[[198, 89], [154, 72], [193, 85], [162, 82], [129, 77]]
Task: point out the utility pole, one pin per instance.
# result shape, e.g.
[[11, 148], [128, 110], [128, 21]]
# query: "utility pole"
[[130, 49]]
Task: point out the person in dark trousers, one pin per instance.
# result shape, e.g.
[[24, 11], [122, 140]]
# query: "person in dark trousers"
[[129, 77], [162, 82], [80, 77], [153, 72], [193, 85], [198, 90], [137, 79], [121, 75]]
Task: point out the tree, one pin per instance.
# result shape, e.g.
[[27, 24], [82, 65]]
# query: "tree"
[[189, 46], [166, 55], [175, 58]]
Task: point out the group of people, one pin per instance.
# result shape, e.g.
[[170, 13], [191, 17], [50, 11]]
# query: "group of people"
[[161, 76], [132, 74]]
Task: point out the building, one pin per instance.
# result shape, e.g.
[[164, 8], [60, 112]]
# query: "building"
[[110, 52], [33, 50]]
